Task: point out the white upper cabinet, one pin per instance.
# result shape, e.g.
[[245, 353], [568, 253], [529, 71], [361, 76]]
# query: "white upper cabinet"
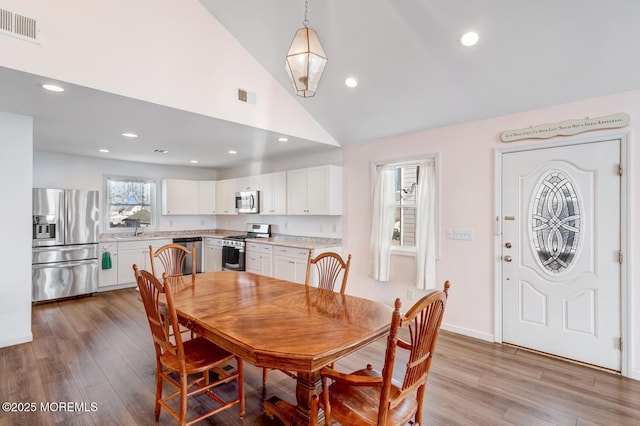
[[315, 191], [226, 196], [188, 197], [247, 183], [273, 193], [179, 197], [207, 197], [309, 191]]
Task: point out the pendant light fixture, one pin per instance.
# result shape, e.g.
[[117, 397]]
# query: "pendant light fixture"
[[306, 59]]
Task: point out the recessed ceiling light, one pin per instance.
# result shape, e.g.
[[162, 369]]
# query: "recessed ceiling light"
[[283, 139], [129, 135], [469, 39], [193, 161], [161, 151], [103, 150], [232, 151], [53, 88], [350, 82]]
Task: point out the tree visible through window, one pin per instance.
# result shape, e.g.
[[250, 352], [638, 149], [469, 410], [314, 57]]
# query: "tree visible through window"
[[130, 202]]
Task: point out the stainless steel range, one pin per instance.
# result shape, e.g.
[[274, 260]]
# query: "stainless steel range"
[[233, 246]]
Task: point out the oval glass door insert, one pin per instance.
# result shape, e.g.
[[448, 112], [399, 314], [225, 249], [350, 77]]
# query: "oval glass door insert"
[[555, 222]]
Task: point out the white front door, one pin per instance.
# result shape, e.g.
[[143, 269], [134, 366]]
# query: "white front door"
[[561, 251]]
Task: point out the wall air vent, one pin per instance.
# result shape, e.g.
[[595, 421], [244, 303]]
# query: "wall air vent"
[[246, 97], [242, 95], [19, 26]]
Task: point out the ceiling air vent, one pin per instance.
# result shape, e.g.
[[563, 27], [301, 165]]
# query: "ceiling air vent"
[[19, 26]]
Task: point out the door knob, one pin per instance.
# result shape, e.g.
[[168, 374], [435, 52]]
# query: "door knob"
[[507, 258]]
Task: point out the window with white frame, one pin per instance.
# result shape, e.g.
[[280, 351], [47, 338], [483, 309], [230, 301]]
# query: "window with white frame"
[[130, 202], [404, 226], [404, 217]]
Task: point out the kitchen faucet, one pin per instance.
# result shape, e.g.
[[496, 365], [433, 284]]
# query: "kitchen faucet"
[[136, 233]]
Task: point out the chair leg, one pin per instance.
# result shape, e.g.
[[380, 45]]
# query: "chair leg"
[[183, 398], [158, 391], [326, 406], [420, 398], [240, 379]]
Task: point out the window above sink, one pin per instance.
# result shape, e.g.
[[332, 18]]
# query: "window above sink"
[[130, 204]]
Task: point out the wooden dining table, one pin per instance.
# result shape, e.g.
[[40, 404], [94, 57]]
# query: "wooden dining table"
[[275, 323]]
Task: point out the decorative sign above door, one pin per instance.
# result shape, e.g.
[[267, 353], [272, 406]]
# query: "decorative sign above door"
[[566, 128]]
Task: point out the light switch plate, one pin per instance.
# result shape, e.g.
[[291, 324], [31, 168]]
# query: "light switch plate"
[[462, 234]]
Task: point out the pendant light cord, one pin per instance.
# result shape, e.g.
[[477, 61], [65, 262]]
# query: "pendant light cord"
[[306, 10]]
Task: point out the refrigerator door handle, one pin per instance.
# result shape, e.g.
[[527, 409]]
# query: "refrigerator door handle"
[[64, 264]]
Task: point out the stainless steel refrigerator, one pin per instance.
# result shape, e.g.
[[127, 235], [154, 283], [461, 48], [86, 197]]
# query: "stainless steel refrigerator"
[[65, 243]]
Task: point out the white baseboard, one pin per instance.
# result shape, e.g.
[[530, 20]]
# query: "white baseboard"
[[16, 340], [634, 374], [467, 332]]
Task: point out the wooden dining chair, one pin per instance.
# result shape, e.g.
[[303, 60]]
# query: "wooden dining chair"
[[325, 270], [173, 257], [185, 366], [367, 397]]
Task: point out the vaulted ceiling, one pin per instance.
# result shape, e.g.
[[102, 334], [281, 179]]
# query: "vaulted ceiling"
[[412, 71], [414, 74]]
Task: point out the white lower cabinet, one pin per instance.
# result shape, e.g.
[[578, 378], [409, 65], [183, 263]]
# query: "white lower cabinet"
[[290, 263], [108, 277], [212, 254], [124, 255], [129, 254], [259, 258]]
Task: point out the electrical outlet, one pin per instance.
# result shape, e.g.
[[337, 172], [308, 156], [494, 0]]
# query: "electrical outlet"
[[450, 233], [410, 294], [170, 223]]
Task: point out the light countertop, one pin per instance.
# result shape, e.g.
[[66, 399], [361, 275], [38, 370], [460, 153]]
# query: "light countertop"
[[276, 239], [298, 242]]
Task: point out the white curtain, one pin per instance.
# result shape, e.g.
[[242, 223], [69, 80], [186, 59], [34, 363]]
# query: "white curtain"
[[425, 227], [383, 221]]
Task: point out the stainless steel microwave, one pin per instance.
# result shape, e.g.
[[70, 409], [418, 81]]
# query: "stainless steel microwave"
[[248, 202]]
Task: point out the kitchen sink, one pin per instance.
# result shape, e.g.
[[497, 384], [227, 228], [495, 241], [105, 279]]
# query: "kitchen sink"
[[129, 237]]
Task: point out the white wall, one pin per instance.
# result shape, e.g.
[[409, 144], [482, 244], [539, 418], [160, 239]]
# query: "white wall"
[[51, 170], [467, 183], [302, 226], [290, 162], [15, 227]]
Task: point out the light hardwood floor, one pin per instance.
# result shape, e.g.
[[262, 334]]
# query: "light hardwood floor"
[[98, 350]]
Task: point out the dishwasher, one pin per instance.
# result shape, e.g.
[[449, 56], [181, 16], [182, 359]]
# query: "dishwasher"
[[188, 242]]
